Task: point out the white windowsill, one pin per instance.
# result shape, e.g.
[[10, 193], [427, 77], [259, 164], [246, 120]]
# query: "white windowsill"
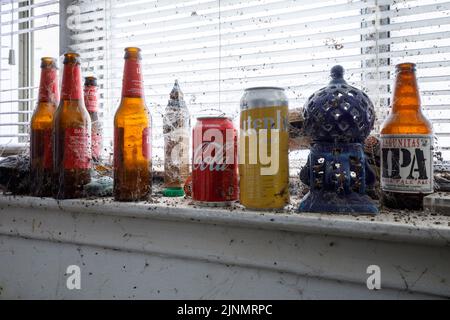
[[331, 251], [424, 229]]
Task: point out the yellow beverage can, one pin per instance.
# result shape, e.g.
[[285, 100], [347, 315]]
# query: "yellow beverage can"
[[264, 149]]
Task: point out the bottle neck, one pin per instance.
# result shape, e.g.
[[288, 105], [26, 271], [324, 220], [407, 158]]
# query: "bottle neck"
[[71, 84], [406, 94], [48, 88], [133, 85], [90, 98]]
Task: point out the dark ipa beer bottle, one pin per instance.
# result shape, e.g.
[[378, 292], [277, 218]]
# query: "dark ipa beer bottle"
[[72, 135], [91, 102], [407, 146], [41, 130], [132, 136]]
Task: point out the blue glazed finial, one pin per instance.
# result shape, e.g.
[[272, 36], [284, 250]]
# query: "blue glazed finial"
[[337, 72]]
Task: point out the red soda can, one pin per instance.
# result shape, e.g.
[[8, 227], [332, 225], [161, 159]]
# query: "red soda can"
[[215, 180]]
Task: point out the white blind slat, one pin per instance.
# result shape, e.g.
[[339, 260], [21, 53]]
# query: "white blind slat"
[[28, 29]]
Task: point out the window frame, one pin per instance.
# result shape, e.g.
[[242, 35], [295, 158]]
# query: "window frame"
[[26, 80], [24, 59]]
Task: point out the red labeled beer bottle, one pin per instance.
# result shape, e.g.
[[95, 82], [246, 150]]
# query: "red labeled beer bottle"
[[72, 135], [407, 146], [91, 102], [41, 149], [132, 136]]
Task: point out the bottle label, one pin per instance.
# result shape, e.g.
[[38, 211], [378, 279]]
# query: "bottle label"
[[48, 88], [90, 98], [77, 149], [133, 86], [147, 143], [71, 85], [407, 163]]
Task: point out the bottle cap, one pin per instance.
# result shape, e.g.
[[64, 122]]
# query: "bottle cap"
[[48, 62], [406, 66], [72, 57], [90, 81], [173, 192], [133, 53]]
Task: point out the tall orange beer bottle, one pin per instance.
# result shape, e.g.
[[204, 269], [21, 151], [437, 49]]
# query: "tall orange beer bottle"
[[132, 136], [72, 135], [41, 149], [407, 146]]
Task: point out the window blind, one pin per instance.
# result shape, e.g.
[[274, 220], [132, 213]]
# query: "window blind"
[[216, 49], [27, 32]]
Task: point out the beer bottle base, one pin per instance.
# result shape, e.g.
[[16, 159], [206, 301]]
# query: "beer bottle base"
[[206, 204], [47, 193], [126, 199], [41, 184], [70, 185], [132, 196], [403, 201]]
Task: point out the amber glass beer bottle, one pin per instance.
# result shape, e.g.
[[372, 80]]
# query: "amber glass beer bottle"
[[132, 136], [72, 135], [91, 102], [407, 146], [41, 130]]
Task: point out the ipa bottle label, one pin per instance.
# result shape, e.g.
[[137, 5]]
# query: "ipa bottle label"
[[407, 163]]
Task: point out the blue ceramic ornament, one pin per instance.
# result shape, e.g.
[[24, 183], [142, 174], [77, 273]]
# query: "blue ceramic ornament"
[[338, 118]]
